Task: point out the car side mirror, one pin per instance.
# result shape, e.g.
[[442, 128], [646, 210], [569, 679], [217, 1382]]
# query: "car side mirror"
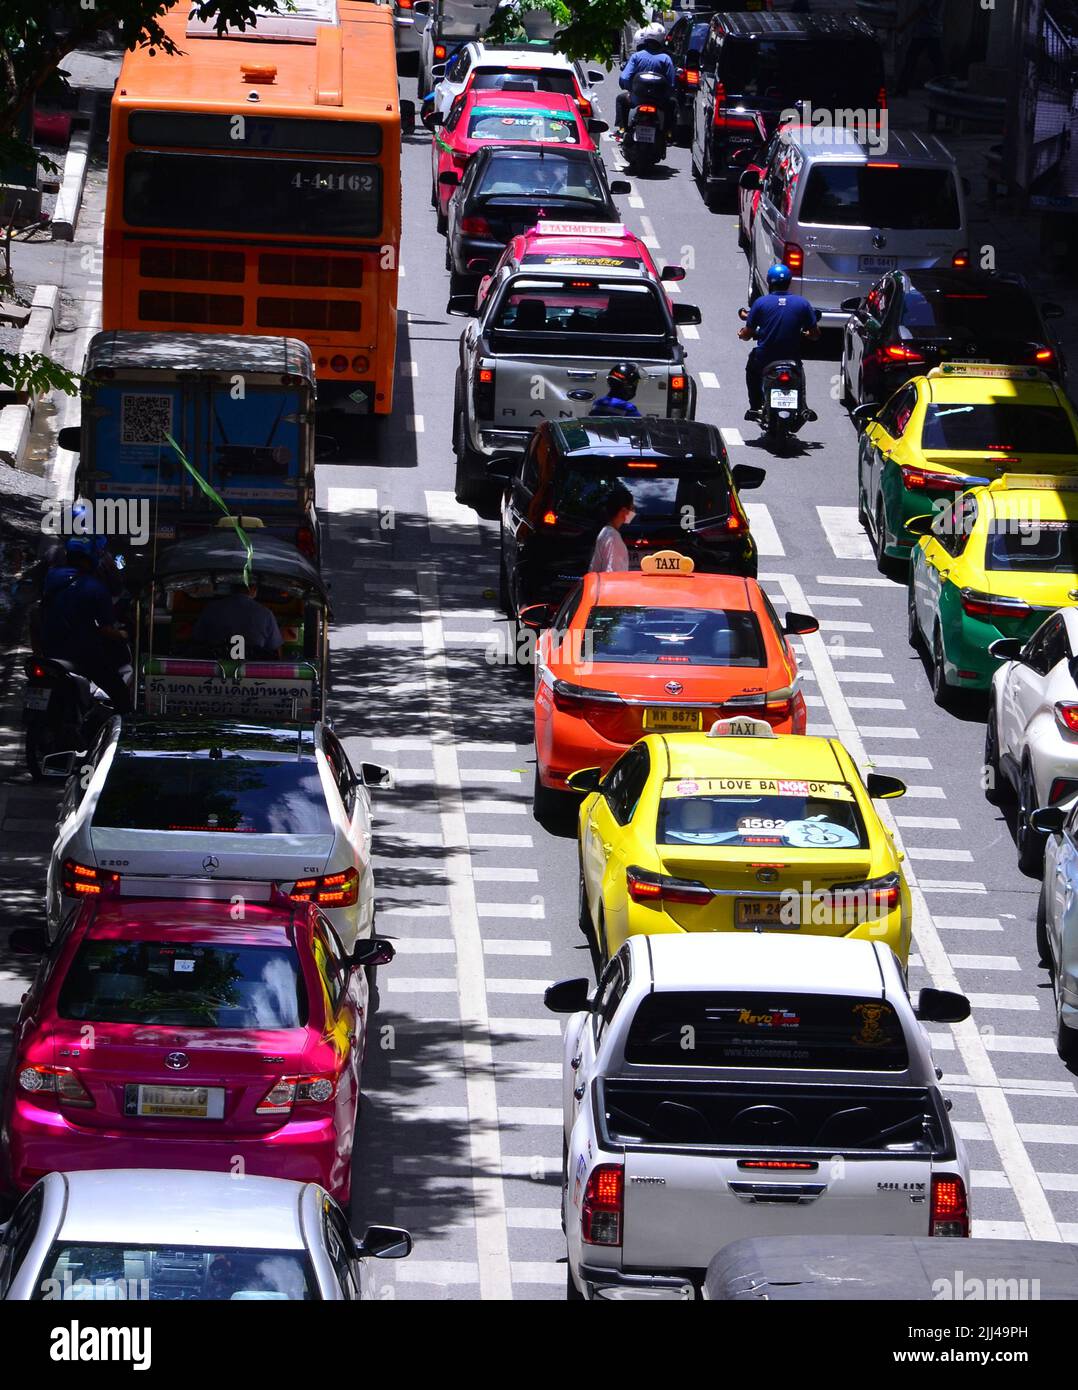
[[585, 780], [537, 615], [502, 466], [597, 127], [407, 110], [437, 71], [461, 304], [800, 624], [1006, 649], [620, 186], [1049, 309], [375, 775], [479, 265], [568, 996], [1049, 820], [672, 272], [941, 1006], [449, 179], [385, 1243], [28, 941], [59, 764], [851, 305], [749, 180], [422, 7], [595, 74], [747, 476], [863, 415], [920, 525], [373, 950], [687, 313], [70, 438], [881, 788]]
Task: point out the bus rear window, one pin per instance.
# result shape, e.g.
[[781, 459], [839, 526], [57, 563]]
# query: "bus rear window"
[[775, 1029], [204, 130]]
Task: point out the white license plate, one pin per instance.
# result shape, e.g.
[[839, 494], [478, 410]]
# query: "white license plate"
[[876, 264], [972, 361], [645, 134], [182, 1102], [783, 400], [36, 699]]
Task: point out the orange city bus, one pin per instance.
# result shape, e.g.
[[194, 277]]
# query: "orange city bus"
[[254, 187]]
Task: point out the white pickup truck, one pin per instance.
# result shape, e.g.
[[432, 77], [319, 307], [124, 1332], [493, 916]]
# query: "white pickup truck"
[[540, 345], [718, 1087]]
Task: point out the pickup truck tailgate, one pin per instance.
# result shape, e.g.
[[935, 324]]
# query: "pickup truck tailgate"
[[528, 391]]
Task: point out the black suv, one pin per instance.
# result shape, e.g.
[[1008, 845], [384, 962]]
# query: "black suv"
[[757, 65], [683, 487]]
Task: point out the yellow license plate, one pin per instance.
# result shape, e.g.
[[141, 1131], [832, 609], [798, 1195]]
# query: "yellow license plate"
[[673, 721], [759, 912]]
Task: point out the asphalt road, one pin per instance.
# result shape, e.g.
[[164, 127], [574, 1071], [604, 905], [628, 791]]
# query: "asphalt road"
[[460, 1137]]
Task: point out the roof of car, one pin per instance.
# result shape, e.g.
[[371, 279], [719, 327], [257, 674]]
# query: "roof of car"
[[154, 737], [144, 1206], [538, 55], [536, 101], [193, 919], [758, 960], [614, 589], [785, 26], [787, 755], [533, 151], [838, 142], [648, 437], [945, 280], [992, 390], [1032, 504]]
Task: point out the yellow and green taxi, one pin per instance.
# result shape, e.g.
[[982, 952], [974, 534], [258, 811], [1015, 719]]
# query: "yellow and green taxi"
[[959, 425], [995, 563], [739, 829]]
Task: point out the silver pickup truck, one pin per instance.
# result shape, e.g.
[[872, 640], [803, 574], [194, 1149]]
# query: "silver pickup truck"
[[720, 1086], [539, 346]]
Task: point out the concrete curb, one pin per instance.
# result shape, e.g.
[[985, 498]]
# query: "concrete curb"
[[16, 420], [76, 162]]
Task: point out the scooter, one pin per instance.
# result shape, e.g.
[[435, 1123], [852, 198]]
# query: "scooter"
[[645, 139], [784, 408], [62, 710]]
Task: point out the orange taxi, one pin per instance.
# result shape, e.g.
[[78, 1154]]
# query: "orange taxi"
[[656, 650]]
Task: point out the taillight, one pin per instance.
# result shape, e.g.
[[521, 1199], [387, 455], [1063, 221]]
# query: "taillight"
[[602, 1206], [1044, 355], [55, 1083], [549, 519], [305, 543], [328, 890], [691, 77], [339, 362], [360, 363], [475, 226], [646, 887], [678, 396], [716, 110], [869, 900], [585, 107], [895, 352], [1061, 789], [483, 393], [1067, 717], [794, 257], [881, 99], [290, 1091], [84, 881], [404, 4], [960, 260], [646, 110], [774, 705], [784, 377], [737, 523], [925, 480], [978, 605], [439, 52], [35, 671], [950, 1209]]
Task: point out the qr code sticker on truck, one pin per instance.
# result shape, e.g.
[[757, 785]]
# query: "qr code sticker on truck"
[[145, 419]]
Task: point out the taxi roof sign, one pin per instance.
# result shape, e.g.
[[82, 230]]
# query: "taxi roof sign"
[[996, 369], [614, 231], [1034, 482], [667, 562], [741, 727]]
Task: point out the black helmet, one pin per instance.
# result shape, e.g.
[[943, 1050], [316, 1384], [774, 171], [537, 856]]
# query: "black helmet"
[[624, 378]]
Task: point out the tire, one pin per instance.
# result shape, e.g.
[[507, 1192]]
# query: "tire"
[[34, 753], [942, 690], [1044, 953], [505, 600], [913, 631], [583, 911], [470, 489], [1066, 1039], [753, 291], [694, 167], [884, 563], [441, 221], [848, 399], [742, 239], [548, 804], [994, 791], [449, 266], [713, 197], [1029, 841], [572, 1293]]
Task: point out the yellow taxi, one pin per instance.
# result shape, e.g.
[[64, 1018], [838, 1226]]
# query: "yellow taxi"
[[994, 563], [738, 829], [959, 425]]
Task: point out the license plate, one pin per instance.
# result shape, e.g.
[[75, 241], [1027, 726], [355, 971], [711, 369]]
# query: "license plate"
[[165, 533], [175, 1102], [36, 699], [975, 361], [876, 263], [645, 134], [783, 400], [668, 721], [760, 912]]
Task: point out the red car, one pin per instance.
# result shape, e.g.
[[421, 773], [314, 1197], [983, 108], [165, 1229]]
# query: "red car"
[[748, 199], [481, 117], [163, 1034]]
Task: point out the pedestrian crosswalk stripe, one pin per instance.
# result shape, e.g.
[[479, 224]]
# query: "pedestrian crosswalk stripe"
[[709, 380], [876, 702], [530, 1115], [998, 1042], [534, 1219], [844, 533], [536, 1272], [867, 678], [950, 885], [968, 923], [527, 1027], [531, 911], [928, 823], [437, 1272], [961, 962], [504, 985], [831, 601], [883, 731], [480, 841], [494, 808], [953, 856], [840, 625], [448, 521], [1019, 1003], [361, 502], [999, 1230], [858, 581], [489, 774], [764, 530], [731, 437], [505, 875], [900, 760], [1048, 1134], [915, 792], [501, 946], [425, 946]]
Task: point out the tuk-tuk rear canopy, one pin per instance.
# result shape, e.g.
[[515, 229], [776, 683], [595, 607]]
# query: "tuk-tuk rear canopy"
[[221, 551], [199, 353]]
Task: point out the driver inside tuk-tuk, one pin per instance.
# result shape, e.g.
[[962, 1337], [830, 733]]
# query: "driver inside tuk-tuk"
[[239, 614]]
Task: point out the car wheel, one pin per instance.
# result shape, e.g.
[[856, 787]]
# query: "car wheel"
[[1030, 841], [1044, 953], [712, 196], [994, 790], [583, 911], [572, 1293], [884, 563], [695, 168], [1066, 1038], [550, 806], [753, 292], [505, 599], [913, 631], [942, 691], [847, 390], [441, 221]]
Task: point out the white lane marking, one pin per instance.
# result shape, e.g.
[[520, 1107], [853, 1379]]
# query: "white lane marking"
[[477, 1055], [764, 530], [999, 1042], [972, 1129], [442, 1272], [951, 885], [898, 759], [400, 745], [840, 650], [688, 331], [418, 984], [409, 367], [392, 636], [1018, 1003], [415, 910], [532, 1115], [867, 678], [876, 702], [922, 792], [844, 533], [534, 1219], [650, 240], [527, 1027], [495, 808], [968, 923], [425, 945], [506, 875], [961, 962], [413, 774], [501, 841], [1016, 1086], [883, 731], [731, 437], [998, 1230], [525, 911], [708, 380], [361, 502], [857, 581], [992, 1177], [1049, 1134], [448, 521], [928, 823], [839, 625], [999, 1119], [1060, 1182], [539, 1272], [950, 856], [504, 985], [415, 423], [488, 774], [529, 1071], [832, 601], [500, 946], [486, 747]]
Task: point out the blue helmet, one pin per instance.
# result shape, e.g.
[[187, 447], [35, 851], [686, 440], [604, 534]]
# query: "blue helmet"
[[82, 512], [81, 545], [778, 277]]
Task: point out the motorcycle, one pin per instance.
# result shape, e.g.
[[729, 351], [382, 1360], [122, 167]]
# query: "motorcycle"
[[784, 408], [645, 139], [62, 710]]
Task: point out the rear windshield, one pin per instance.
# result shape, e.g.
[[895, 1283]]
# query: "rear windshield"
[[524, 175], [1004, 311], [658, 499], [774, 1029], [871, 195], [1025, 429], [892, 1119], [544, 80], [1039, 547], [843, 72], [243, 795], [666, 636], [493, 123], [184, 984], [738, 812], [187, 1273], [614, 310]]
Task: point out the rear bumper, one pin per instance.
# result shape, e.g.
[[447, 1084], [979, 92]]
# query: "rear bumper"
[[493, 442], [612, 1285]]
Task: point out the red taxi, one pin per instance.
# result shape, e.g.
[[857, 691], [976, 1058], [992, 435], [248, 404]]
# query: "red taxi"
[[480, 117], [655, 651]]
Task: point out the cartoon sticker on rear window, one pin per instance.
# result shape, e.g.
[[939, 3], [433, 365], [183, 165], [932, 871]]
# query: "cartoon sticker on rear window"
[[818, 833], [872, 1033]]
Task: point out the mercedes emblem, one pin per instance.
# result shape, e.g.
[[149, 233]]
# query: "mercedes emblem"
[[176, 1061], [673, 687], [211, 864]]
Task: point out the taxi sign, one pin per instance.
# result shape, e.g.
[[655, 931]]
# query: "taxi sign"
[[667, 562], [987, 369], [741, 727], [613, 231], [1034, 482]]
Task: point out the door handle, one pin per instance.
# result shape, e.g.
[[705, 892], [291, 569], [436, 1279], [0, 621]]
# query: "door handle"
[[786, 1194]]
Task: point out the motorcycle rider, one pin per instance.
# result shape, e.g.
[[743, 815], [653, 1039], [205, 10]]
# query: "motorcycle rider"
[[623, 379], [778, 321], [79, 624], [650, 56]]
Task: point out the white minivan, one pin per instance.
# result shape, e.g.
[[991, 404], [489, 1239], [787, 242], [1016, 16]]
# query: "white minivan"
[[840, 215]]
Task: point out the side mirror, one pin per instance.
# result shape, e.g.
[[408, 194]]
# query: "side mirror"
[[1006, 649], [437, 71], [503, 466], [882, 788], [28, 941], [800, 624], [920, 525], [422, 7], [749, 180], [595, 74], [597, 127], [672, 272], [687, 313], [621, 186], [385, 1242], [70, 437], [941, 1006], [863, 415], [59, 764], [373, 950], [1049, 820], [851, 305], [747, 476], [449, 179], [407, 109], [566, 997], [479, 265], [537, 615], [1049, 309], [461, 304], [585, 780], [375, 775]]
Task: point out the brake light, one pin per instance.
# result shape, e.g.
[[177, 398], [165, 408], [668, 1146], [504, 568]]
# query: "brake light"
[[638, 464], [869, 899], [296, 1090], [774, 705], [339, 362], [1044, 355], [483, 393], [784, 1164], [475, 226], [960, 260], [439, 52], [585, 107], [550, 518], [784, 377], [646, 887], [950, 1209], [646, 110], [881, 164], [35, 671], [55, 1083], [737, 523], [897, 353], [305, 542], [978, 605], [678, 396], [1067, 718], [405, 4], [691, 77], [84, 881], [794, 257], [1061, 788], [925, 480], [716, 110], [329, 890], [602, 1206]]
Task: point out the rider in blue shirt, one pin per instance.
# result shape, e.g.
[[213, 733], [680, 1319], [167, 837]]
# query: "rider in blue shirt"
[[622, 381], [779, 321], [651, 57], [79, 624]]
